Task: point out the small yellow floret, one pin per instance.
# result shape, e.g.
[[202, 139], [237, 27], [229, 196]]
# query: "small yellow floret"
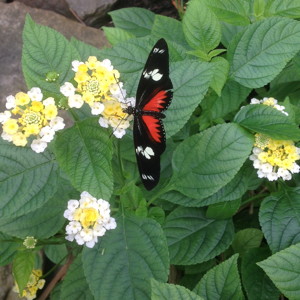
[[10, 126], [92, 62], [88, 217], [31, 129], [81, 76], [19, 139], [50, 111], [36, 106], [22, 98]]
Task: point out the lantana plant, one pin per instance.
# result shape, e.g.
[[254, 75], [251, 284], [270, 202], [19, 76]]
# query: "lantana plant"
[[223, 222]]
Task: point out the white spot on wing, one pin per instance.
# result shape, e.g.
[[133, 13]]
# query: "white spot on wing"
[[147, 152], [154, 74], [157, 50], [147, 177]]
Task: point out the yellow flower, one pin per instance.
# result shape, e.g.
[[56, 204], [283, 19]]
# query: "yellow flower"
[[50, 111], [88, 97], [19, 139], [22, 99], [81, 76], [36, 106], [89, 217], [82, 68], [31, 129], [10, 126], [92, 62]]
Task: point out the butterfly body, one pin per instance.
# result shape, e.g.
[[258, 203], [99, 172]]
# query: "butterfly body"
[[154, 95]]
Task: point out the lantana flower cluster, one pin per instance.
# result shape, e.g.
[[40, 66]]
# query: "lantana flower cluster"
[[33, 285], [89, 219], [28, 115], [274, 159], [97, 84]]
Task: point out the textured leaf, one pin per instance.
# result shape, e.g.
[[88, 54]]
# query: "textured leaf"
[[8, 249], [27, 180], [260, 52], [284, 270], [214, 107], [223, 210], [135, 20], [164, 291], [279, 217], [246, 239], [74, 285], [116, 35], [164, 27], [232, 11], [290, 9], [188, 93], [222, 282], [206, 162], [268, 120], [193, 238], [121, 265], [56, 253], [86, 50], [45, 50], [42, 222], [221, 69], [22, 267], [257, 284], [84, 152], [201, 27]]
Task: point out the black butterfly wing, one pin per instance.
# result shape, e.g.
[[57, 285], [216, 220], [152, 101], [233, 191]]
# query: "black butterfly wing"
[[154, 95]]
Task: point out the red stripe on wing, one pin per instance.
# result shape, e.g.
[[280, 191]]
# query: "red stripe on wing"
[[156, 103], [154, 127]]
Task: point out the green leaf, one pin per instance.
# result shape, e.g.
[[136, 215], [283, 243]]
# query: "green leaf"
[[222, 282], [246, 239], [228, 32], [235, 12], [27, 180], [42, 222], [256, 283], [214, 107], [290, 9], [22, 267], [45, 50], [86, 50], [56, 253], [279, 217], [193, 238], [164, 291], [284, 270], [164, 27], [206, 162], [121, 265], [84, 152], [116, 35], [259, 53], [135, 20], [8, 248], [223, 210], [267, 120], [74, 285], [201, 27], [221, 69], [188, 93]]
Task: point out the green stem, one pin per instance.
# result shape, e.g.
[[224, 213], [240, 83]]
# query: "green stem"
[[168, 187]]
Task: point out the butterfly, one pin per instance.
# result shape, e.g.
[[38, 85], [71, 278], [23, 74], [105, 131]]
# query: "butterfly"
[[154, 95]]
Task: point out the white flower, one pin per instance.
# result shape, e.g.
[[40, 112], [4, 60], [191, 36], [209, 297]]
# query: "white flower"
[[76, 64], [89, 219], [254, 101], [57, 123], [103, 122], [35, 94], [107, 64], [267, 168], [10, 102], [38, 146], [97, 108], [4, 116], [295, 168], [119, 133], [67, 89], [272, 176], [75, 101], [47, 134], [6, 137], [49, 101]]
